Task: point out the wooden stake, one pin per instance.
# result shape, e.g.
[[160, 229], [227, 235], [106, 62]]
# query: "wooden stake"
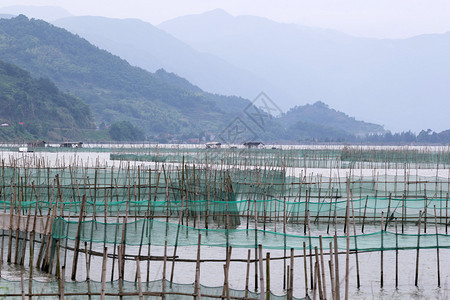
[[347, 254], [381, 252], [261, 273], [317, 276], [316, 279], [77, 239], [138, 270], [396, 254], [88, 269], [364, 216], [247, 273], [331, 266], [416, 281], [446, 214], [120, 269], [336, 261], [163, 295], [105, 257], [291, 282], [437, 249], [226, 289], [267, 275], [358, 284], [197, 269], [63, 275], [322, 264], [305, 263], [22, 286]]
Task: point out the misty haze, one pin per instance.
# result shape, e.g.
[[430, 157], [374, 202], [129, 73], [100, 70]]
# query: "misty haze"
[[218, 149]]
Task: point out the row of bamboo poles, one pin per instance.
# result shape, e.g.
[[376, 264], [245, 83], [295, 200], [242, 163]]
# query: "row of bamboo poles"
[[343, 157], [292, 157], [49, 260], [54, 193]]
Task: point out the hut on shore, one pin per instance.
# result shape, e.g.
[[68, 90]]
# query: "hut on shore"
[[213, 145], [254, 145], [37, 144], [71, 145]]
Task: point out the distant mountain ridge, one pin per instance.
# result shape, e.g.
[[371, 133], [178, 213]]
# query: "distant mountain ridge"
[[152, 48], [403, 84], [160, 103]]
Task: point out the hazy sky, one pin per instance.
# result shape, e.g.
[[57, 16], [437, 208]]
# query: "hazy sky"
[[371, 18]]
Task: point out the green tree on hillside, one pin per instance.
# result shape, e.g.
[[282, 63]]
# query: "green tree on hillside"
[[125, 131]]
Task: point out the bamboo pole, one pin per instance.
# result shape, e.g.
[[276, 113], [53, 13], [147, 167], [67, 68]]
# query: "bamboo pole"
[[247, 274], [416, 281], [332, 280], [347, 255], [267, 275], [446, 212], [437, 249], [358, 283], [183, 200], [163, 295], [396, 254], [120, 264], [336, 260], [88, 269], [382, 252], [63, 275], [261, 273], [58, 268], [138, 271], [11, 222], [291, 282], [197, 270], [322, 264], [226, 289], [77, 239], [318, 276], [364, 216], [306, 269], [103, 279]]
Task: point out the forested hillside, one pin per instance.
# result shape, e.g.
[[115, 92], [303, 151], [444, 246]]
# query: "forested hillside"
[[321, 114], [163, 106], [35, 108], [113, 88]]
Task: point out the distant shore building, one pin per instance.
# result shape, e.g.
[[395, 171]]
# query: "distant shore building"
[[254, 145], [71, 145], [213, 145], [37, 144], [24, 149]]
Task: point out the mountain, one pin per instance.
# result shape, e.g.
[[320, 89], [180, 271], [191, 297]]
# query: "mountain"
[[158, 103], [403, 84], [322, 115], [151, 48], [36, 108], [47, 13], [303, 131]]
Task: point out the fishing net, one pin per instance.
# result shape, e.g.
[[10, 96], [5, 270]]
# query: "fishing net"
[[346, 157], [154, 232], [8, 287]]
